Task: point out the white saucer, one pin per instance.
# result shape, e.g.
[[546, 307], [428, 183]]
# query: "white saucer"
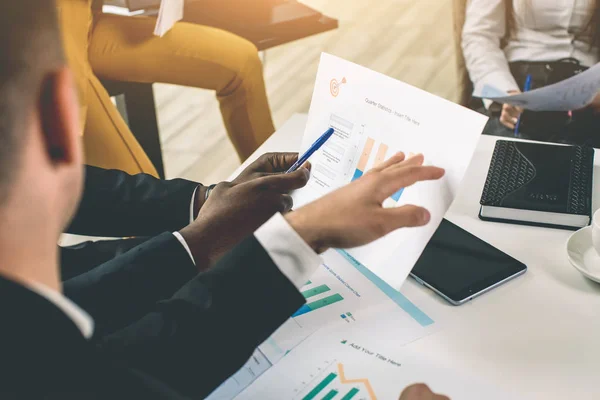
[[582, 254]]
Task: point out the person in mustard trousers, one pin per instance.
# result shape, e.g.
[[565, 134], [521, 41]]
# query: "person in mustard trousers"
[[124, 48]]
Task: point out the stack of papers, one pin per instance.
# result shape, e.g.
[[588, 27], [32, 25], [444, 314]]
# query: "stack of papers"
[[348, 299]]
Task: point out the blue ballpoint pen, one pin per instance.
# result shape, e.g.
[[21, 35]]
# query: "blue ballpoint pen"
[[525, 89], [315, 146]]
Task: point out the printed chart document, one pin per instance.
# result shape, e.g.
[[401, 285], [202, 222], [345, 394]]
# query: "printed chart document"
[[344, 296], [374, 117], [332, 365], [570, 94]]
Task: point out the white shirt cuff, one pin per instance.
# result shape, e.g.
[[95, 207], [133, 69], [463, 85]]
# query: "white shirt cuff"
[[192, 205], [185, 245], [292, 255]]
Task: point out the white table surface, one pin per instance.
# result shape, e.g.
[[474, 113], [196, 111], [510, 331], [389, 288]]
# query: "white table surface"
[[538, 335]]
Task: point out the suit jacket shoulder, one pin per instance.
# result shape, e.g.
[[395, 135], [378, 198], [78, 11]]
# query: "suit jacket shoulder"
[[45, 356]]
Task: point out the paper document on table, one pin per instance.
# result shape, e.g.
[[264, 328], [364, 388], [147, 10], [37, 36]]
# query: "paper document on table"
[[170, 12], [336, 365], [341, 295], [570, 94], [375, 116]]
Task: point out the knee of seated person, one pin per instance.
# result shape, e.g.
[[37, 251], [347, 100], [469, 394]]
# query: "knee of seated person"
[[248, 68]]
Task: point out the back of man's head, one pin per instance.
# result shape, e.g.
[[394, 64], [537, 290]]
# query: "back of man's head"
[[30, 47], [40, 151]]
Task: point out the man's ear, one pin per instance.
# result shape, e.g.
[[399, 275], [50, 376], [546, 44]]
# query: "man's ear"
[[59, 117]]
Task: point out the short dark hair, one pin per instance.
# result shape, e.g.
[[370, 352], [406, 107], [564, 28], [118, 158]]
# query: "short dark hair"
[[30, 47]]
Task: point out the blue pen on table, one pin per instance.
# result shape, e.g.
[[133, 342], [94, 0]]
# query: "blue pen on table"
[[525, 89], [315, 146]]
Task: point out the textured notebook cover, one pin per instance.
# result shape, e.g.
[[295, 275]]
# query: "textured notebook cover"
[[540, 177]]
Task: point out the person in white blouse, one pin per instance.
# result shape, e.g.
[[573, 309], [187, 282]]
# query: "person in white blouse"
[[504, 41]]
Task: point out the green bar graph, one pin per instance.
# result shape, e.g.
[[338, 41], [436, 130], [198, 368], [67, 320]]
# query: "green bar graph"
[[315, 291], [330, 395], [334, 298], [313, 393], [351, 394]]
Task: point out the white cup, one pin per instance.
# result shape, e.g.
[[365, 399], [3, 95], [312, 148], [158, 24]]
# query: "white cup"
[[596, 231]]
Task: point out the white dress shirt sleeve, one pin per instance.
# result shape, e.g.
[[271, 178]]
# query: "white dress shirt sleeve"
[[178, 235], [485, 26], [185, 245], [192, 205], [292, 255]]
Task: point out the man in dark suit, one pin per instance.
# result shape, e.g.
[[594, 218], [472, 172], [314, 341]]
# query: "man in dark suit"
[[116, 204], [188, 343]]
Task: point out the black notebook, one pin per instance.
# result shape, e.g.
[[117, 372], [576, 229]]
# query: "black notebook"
[[539, 184]]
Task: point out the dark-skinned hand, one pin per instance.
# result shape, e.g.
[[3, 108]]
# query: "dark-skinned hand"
[[236, 209]]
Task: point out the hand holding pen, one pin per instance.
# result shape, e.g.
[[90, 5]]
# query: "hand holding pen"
[[526, 88], [312, 149]]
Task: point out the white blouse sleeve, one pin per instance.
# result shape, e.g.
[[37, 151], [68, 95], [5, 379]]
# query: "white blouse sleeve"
[[485, 26]]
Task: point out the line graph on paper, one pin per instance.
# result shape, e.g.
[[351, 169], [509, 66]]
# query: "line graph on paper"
[[329, 380]]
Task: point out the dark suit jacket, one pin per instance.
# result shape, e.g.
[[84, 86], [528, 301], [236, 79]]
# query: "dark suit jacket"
[[118, 281], [184, 348], [116, 204], [125, 288]]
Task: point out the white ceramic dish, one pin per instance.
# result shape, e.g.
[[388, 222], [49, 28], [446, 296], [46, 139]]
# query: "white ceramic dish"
[[582, 254]]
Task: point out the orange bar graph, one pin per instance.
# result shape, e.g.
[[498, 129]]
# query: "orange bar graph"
[[366, 153], [381, 151], [365, 381]]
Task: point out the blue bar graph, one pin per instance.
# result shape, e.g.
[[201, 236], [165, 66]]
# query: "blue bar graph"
[[315, 305], [396, 196], [357, 174]]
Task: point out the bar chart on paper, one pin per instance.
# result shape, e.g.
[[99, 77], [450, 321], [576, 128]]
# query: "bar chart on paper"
[[340, 292], [330, 296], [315, 305], [330, 382], [344, 158], [365, 163]]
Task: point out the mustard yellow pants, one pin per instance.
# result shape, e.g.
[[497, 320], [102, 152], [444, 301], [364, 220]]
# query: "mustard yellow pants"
[[124, 48]]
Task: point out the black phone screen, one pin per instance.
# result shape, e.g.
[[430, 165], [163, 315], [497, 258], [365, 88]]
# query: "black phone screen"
[[459, 264]]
